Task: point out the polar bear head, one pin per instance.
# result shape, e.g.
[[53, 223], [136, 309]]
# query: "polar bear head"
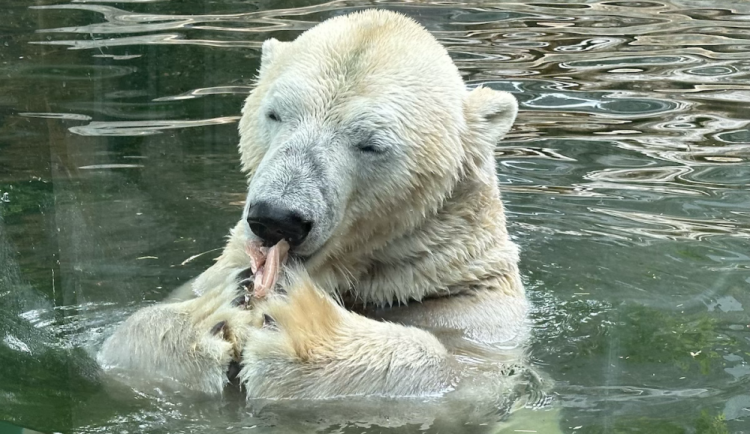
[[358, 131]]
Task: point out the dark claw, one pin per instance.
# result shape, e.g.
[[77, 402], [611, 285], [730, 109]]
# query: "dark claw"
[[233, 371], [245, 274], [269, 322], [247, 284], [218, 328], [246, 279], [240, 300]]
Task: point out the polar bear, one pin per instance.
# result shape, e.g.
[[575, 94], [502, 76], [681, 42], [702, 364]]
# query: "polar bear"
[[367, 153], [366, 150]]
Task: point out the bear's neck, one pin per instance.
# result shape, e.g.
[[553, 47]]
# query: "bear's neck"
[[462, 247]]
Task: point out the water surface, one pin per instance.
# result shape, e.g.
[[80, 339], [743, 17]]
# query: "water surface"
[[625, 178]]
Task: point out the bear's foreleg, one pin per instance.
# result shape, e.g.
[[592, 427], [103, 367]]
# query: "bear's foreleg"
[[312, 348]]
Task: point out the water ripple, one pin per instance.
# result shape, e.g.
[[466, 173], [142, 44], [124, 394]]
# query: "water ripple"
[[674, 228], [625, 177], [144, 128], [197, 93]]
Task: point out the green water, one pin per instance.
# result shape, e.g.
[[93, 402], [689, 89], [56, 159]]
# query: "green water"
[[625, 178]]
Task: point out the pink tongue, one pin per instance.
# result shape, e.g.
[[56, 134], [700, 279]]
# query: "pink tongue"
[[266, 264]]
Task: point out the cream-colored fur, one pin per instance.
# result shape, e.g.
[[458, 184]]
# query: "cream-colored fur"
[[419, 241], [319, 350]]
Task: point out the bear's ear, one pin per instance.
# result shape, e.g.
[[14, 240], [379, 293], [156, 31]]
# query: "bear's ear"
[[270, 51], [490, 113]]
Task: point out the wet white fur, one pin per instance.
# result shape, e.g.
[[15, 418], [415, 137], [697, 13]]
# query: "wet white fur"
[[420, 221], [423, 220]]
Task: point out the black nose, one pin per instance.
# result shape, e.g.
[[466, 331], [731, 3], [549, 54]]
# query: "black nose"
[[273, 224]]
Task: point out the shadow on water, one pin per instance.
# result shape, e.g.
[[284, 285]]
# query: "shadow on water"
[[625, 178]]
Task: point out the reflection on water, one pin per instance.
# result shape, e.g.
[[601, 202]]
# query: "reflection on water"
[[626, 182]]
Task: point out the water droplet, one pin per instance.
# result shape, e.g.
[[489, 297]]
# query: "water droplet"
[[5, 198]]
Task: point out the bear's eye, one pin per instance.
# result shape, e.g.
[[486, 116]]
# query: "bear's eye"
[[370, 147], [272, 115]]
